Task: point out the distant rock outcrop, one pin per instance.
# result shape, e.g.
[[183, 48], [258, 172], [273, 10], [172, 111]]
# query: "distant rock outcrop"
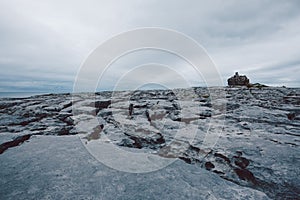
[[238, 80]]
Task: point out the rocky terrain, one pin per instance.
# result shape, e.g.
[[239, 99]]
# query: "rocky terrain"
[[227, 143]]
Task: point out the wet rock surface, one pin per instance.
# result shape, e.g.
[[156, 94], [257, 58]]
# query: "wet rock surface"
[[255, 132]]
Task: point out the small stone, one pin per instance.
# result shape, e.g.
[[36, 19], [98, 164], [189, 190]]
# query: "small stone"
[[209, 166], [241, 162], [245, 174], [291, 116]]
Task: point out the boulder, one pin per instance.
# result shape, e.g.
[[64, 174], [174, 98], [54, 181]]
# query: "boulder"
[[238, 80]]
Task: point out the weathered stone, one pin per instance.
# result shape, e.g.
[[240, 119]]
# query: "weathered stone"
[[241, 162], [238, 80], [259, 136], [209, 166], [245, 174], [13, 143]]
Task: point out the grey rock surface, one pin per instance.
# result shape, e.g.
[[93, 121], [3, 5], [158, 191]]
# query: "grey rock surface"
[[256, 150], [51, 167]]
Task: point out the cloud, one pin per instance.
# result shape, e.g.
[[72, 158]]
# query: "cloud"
[[43, 43]]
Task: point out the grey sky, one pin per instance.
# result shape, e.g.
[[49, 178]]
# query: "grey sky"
[[43, 43]]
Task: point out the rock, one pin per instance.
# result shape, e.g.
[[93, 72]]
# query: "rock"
[[13, 143], [64, 130], [291, 116], [209, 165], [292, 99], [65, 170], [258, 135], [256, 85], [102, 104], [148, 116], [130, 109], [146, 138], [226, 159], [126, 142], [241, 162], [245, 174], [238, 80]]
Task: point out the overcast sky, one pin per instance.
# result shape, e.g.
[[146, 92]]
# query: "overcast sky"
[[44, 43]]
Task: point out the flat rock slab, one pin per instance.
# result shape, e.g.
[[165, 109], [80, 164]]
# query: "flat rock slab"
[[49, 167]]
